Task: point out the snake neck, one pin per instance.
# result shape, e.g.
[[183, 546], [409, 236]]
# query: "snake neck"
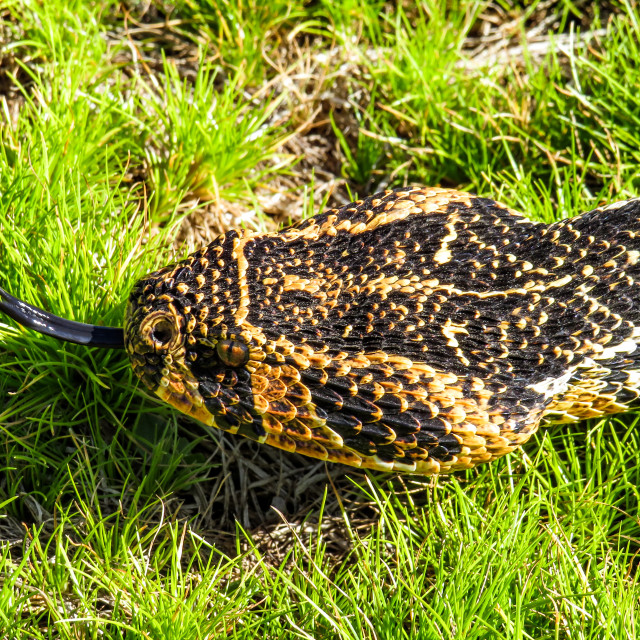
[[594, 261]]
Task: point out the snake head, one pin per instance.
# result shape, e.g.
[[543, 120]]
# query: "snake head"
[[185, 343]]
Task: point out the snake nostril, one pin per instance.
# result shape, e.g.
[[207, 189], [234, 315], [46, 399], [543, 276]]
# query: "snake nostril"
[[163, 332]]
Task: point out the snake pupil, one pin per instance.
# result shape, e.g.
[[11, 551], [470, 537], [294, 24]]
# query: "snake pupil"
[[233, 353]]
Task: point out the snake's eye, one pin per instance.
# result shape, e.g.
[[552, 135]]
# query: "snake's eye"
[[232, 353], [163, 332]]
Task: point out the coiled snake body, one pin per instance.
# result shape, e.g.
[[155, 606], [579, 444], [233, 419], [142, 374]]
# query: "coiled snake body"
[[416, 330]]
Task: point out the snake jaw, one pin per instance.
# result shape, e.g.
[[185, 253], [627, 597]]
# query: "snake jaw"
[[66, 330], [184, 396]]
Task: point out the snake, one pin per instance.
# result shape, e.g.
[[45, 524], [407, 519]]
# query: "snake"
[[417, 330]]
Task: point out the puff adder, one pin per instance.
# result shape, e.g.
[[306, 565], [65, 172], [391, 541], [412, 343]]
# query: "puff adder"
[[417, 330]]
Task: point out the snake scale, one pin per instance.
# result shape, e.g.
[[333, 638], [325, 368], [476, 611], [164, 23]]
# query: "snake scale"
[[417, 330]]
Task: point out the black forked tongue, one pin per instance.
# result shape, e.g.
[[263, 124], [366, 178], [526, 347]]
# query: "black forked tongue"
[[67, 330]]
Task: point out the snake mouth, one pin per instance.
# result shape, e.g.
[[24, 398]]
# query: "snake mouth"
[[67, 330]]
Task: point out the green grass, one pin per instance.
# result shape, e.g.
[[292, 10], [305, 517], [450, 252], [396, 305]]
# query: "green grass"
[[128, 138]]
